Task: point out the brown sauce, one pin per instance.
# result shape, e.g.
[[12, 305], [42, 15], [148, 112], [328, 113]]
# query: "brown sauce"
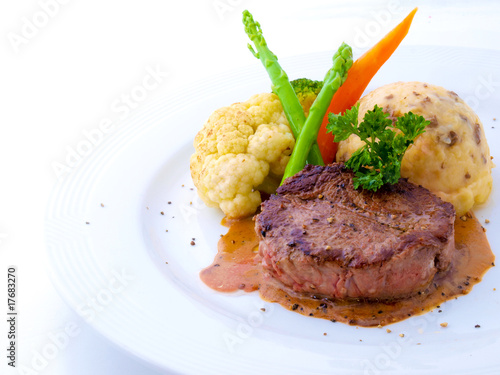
[[237, 266]]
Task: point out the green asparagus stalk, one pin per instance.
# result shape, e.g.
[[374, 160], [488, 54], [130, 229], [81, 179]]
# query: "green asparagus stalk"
[[335, 77], [280, 84]]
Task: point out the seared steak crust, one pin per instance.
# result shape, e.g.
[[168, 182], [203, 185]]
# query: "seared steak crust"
[[319, 236]]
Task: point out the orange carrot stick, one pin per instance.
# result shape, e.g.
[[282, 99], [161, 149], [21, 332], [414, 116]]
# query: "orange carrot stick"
[[359, 76]]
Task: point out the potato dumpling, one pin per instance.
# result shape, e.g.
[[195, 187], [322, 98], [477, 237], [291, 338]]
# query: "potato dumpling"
[[452, 158]]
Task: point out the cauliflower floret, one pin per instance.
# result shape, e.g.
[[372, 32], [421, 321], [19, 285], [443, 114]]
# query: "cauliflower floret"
[[240, 149], [279, 143]]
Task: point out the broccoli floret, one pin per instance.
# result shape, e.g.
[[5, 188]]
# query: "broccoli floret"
[[306, 86], [306, 90]]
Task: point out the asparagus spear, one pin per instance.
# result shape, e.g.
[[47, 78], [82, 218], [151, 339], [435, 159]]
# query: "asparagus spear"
[[280, 84], [335, 77]]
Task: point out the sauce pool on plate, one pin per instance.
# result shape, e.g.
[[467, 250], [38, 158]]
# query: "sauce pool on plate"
[[237, 264], [237, 267]]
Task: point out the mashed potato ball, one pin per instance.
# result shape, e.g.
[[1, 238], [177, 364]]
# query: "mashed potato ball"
[[452, 158]]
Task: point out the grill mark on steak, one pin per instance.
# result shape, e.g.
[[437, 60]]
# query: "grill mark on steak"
[[358, 244]]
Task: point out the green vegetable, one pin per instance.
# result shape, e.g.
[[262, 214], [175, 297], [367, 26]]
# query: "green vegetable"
[[378, 162], [306, 87], [306, 90], [334, 78], [280, 84]]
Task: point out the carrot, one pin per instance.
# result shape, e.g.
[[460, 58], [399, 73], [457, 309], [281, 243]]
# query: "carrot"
[[359, 76]]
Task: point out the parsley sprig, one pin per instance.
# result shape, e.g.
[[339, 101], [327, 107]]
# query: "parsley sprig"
[[378, 162]]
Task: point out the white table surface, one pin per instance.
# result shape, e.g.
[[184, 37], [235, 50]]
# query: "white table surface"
[[64, 64]]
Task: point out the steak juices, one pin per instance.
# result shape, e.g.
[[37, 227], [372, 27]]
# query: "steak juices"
[[359, 257]]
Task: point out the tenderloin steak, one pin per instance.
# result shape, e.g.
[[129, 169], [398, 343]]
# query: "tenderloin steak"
[[319, 236]]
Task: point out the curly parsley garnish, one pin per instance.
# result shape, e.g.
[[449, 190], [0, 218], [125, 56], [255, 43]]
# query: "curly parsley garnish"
[[378, 162]]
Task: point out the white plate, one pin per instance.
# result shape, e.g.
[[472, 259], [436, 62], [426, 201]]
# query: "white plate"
[[113, 270]]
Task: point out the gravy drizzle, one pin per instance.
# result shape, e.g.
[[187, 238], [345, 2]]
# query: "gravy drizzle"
[[237, 267]]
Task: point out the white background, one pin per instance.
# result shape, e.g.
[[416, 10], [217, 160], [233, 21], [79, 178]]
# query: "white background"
[[67, 68]]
